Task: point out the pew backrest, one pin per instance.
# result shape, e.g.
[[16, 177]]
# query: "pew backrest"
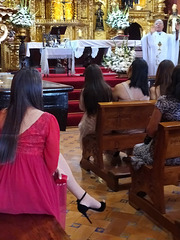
[[123, 120]]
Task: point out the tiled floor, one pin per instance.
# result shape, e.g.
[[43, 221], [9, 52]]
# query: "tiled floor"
[[119, 221]]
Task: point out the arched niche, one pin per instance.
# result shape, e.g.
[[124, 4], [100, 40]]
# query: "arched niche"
[[134, 31]]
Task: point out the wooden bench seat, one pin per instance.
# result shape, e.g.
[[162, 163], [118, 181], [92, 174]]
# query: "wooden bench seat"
[[151, 180], [115, 122], [30, 227]]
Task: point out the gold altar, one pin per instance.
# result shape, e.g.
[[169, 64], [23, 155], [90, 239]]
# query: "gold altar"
[[80, 18]]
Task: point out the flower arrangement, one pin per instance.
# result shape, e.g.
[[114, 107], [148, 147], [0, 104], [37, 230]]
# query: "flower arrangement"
[[118, 19], [121, 59], [23, 17]]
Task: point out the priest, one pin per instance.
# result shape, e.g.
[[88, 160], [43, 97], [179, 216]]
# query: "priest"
[[158, 46]]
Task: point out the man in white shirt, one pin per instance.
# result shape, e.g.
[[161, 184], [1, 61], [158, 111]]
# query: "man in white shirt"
[[158, 46]]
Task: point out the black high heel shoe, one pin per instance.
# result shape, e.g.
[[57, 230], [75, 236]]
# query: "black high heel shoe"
[[83, 209]]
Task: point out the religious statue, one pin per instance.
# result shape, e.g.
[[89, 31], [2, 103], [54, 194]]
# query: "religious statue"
[[99, 18], [174, 18]]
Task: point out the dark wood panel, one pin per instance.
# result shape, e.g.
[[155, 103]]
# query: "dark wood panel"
[[55, 97]]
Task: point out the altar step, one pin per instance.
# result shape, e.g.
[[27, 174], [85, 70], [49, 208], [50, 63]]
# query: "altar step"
[[75, 94], [73, 106], [74, 118]]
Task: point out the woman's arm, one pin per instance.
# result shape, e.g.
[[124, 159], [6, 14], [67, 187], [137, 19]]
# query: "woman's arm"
[[115, 93], [153, 123], [119, 92], [81, 102], [3, 114], [153, 93], [52, 145]]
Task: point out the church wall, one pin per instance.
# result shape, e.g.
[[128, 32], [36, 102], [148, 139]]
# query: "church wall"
[[178, 5], [169, 4]]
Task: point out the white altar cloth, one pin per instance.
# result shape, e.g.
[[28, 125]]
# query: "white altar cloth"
[[79, 45], [33, 45], [56, 53], [75, 48]]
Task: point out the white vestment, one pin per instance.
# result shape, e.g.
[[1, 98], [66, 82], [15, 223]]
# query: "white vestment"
[[157, 47]]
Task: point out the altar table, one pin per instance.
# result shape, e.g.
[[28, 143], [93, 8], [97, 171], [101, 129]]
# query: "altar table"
[[57, 53], [55, 98], [60, 52], [75, 48], [33, 45]]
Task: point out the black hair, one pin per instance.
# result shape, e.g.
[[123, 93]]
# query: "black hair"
[[95, 89], [139, 77], [163, 75], [174, 88], [26, 91]]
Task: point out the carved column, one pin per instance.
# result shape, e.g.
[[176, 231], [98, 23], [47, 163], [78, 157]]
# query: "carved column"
[[33, 28], [90, 18], [43, 4], [161, 5], [79, 7], [10, 56], [75, 9], [108, 5]]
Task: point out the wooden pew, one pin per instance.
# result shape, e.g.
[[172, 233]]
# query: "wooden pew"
[[112, 119], [30, 227], [151, 179]]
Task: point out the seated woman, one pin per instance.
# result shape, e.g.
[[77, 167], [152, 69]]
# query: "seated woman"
[[136, 87], [163, 79], [29, 154], [95, 90], [167, 108]]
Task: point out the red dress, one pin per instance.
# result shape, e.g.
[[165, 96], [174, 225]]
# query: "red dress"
[[27, 184]]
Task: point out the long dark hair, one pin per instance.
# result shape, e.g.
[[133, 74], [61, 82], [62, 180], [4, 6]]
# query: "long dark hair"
[[163, 75], [139, 77], [95, 89], [174, 88], [26, 91]]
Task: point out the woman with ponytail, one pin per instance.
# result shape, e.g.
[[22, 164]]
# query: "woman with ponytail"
[[167, 109]]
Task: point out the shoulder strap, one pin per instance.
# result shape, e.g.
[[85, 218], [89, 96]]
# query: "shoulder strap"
[[128, 90]]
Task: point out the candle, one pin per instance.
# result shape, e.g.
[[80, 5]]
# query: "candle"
[[80, 33]]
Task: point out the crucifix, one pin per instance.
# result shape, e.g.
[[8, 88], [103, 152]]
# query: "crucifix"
[[64, 2]]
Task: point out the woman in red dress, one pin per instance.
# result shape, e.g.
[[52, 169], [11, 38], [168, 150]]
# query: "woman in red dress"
[[29, 154]]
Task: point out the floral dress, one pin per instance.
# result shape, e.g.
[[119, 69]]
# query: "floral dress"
[[143, 153]]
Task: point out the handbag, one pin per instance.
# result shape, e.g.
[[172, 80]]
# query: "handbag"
[[61, 182]]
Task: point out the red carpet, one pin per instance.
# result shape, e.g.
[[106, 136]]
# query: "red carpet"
[[77, 81]]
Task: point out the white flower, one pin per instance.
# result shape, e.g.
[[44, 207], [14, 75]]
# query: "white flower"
[[121, 59], [23, 17], [118, 19]]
